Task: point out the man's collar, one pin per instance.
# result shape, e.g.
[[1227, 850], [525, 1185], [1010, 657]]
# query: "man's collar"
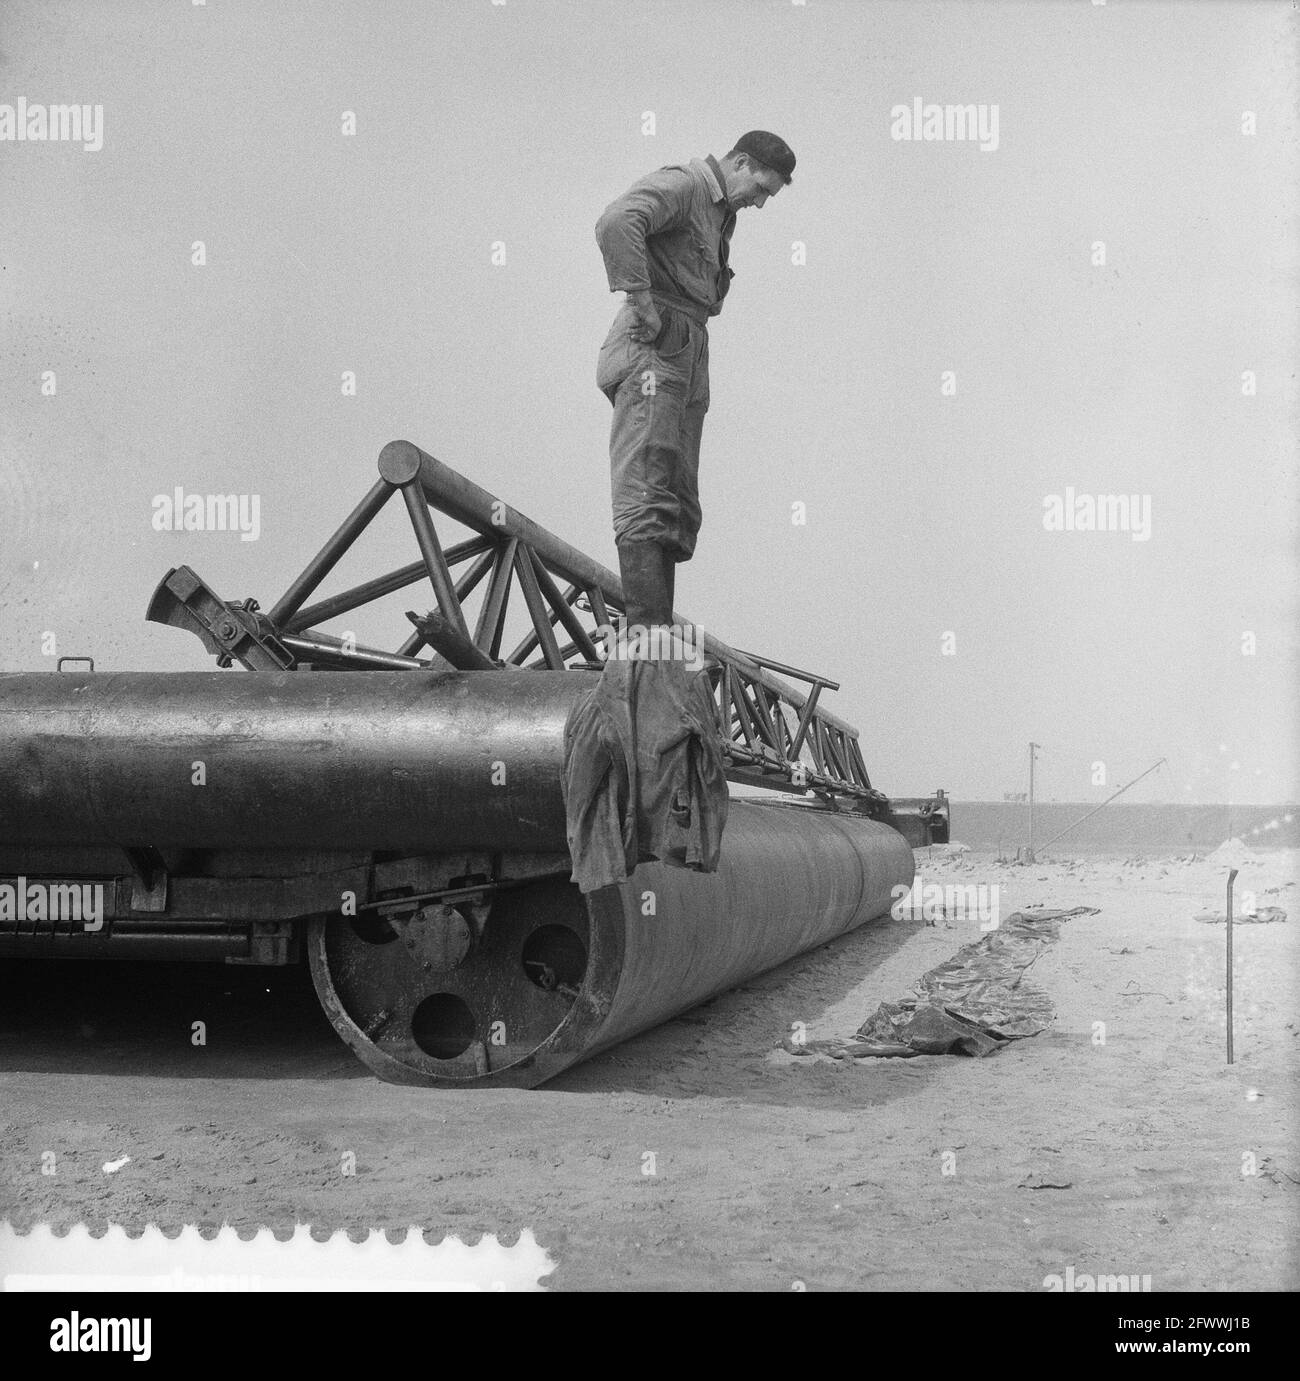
[[718, 178]]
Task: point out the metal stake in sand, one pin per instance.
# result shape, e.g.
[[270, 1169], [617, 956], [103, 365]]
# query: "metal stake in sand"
[[1231, 876]]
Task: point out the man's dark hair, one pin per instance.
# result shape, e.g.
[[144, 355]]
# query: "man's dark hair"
[[768, 149]]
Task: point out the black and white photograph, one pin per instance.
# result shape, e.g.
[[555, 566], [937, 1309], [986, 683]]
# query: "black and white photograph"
[[649, 646]]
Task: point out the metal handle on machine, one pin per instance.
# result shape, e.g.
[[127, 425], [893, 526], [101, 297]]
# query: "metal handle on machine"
[[90, 661]]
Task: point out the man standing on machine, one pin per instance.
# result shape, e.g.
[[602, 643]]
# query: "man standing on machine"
[[665, 242]]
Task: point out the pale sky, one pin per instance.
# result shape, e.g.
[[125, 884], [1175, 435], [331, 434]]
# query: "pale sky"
[[479, 123]]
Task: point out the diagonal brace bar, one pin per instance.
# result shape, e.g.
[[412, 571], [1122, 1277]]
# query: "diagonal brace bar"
[[327, 558]]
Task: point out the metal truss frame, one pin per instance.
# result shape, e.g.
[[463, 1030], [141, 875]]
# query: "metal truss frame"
[[774, 734]]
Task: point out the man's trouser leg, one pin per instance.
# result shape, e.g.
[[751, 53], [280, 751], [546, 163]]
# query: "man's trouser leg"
[[659, 406], [688, 480]]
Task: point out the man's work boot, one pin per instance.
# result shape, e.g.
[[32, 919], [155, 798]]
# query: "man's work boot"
[[645, 593]]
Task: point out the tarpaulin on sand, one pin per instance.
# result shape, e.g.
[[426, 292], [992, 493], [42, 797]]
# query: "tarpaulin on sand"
[[643, 773], [972, 1004]]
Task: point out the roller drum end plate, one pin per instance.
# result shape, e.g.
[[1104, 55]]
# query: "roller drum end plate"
[[549, 977], [424, 1000]]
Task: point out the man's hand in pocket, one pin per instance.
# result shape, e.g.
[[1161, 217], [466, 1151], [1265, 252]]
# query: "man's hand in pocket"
[[646, 324]]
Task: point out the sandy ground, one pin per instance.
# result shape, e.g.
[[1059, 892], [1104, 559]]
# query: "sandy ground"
[[1128, 1147]]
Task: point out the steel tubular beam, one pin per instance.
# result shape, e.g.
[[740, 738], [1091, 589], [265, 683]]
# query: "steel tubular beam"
[[467, 503], [435, 563], [737, 701], [492, 613], [762, 715], [790, 671], [325, 560], [563, 606], [805, 719], [832, 757], [543, 623], [464, 588], [468, 583], [314, 646], [597, 602], [817, 746], [380, 586], [859, 762], [367, 760]]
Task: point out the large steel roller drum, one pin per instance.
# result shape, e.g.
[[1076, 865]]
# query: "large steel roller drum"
[[509, 987], [558, 977]]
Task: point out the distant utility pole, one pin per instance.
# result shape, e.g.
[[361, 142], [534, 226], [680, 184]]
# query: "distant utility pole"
[[1029, 852]]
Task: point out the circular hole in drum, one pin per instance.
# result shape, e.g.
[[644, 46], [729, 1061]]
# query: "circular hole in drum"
[[555, 957], [443, 1026], [373, 928]]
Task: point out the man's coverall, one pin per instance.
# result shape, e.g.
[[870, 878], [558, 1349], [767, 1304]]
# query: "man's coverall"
[[669, 233]]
